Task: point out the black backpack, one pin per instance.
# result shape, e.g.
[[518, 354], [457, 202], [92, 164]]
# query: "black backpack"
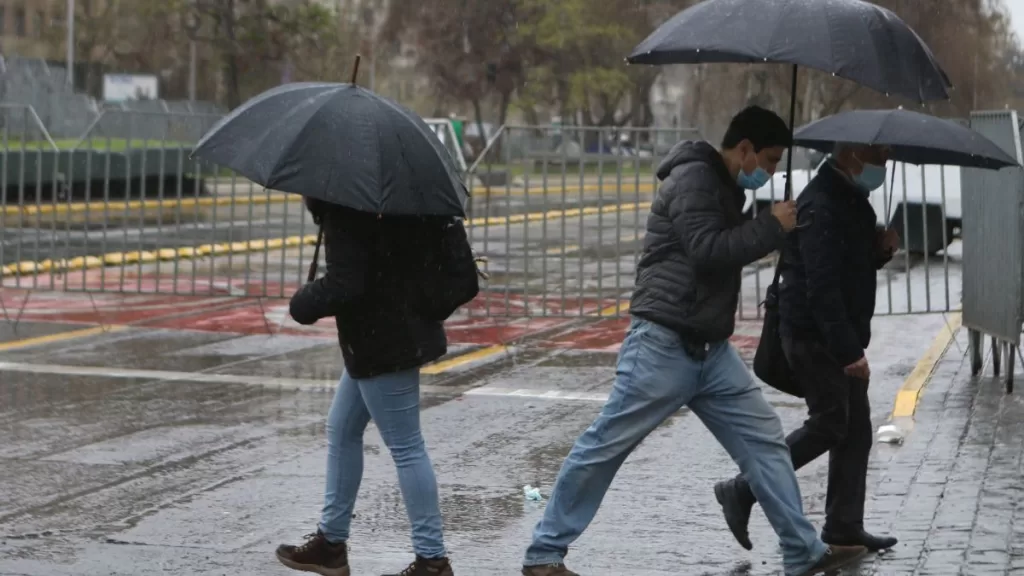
[[449, 276]]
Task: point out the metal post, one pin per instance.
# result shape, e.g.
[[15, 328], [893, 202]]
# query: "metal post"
[[192, 70], [71, 43]]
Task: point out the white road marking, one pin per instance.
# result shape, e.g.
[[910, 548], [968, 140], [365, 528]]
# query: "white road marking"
[[538, 394], [172, 376]]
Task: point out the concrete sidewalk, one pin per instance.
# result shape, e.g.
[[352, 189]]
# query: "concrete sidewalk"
[[953, 491]]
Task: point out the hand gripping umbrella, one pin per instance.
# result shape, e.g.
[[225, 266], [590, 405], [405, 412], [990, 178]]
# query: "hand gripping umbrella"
[[852, 39]]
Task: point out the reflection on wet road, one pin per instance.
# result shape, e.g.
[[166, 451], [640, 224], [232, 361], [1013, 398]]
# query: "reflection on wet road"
[[177, 450]]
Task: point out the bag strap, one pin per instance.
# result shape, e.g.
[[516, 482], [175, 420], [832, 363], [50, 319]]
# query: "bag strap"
[[316, 255]]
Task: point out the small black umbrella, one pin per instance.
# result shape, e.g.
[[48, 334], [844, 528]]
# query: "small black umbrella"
[[342, 144], [911, 137], [852, 39]]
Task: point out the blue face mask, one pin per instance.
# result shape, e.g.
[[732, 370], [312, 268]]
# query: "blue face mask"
[[871, 178], [759, 178]]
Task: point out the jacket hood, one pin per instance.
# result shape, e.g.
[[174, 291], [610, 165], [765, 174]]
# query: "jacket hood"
[[689, 151]]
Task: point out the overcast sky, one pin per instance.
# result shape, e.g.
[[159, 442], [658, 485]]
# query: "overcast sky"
[[1016, 9]]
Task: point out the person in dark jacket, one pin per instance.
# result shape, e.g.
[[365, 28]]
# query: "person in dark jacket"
[[384, 342], [676, 352], [826, 302]]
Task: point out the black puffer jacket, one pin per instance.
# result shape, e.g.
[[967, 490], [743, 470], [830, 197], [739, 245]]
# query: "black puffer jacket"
[[828, 284], [366, 289], [696, 246]]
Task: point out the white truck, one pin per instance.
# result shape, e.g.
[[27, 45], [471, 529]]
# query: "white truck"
[[923, 202]]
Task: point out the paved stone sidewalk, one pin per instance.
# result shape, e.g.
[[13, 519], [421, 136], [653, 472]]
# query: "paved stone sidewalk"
[[953, 492]]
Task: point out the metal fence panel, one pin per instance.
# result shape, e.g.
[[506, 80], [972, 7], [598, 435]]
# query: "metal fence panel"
[[994, 235], [559, 212]]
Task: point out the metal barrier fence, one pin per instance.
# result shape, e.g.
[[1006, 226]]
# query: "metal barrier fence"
[[558, 211]]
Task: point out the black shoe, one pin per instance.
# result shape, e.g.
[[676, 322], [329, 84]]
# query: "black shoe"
[[548, 570], [427, 567], [316, 555], [859, 538], [737, 502], [835, 558]]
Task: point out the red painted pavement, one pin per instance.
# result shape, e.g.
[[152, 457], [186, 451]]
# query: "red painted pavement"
[[506, 324]]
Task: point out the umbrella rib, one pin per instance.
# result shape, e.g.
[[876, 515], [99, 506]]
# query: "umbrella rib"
[[319, 107]]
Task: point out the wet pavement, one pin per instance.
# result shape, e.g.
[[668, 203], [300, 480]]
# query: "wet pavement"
[[183, 438]]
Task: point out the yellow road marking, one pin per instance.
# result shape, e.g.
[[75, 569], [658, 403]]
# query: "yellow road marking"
[[115, 207], [462, 360], [573, 248], [29, 267], [910, 392], [615, 309], [58, 337]]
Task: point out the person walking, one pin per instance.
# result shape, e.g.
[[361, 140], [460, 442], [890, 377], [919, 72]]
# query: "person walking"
[[676, 351], [385, 339], [826, 303]]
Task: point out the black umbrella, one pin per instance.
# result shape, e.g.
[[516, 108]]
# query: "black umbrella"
[[848, 38], [911, 137], [342, 144], [852, 39]]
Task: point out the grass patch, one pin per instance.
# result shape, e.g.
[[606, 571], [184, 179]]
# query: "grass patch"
[[96, 144]]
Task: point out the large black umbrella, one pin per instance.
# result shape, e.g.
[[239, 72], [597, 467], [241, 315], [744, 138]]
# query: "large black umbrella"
[[852, 39], [911, 137], [342, 144], [848, 38]]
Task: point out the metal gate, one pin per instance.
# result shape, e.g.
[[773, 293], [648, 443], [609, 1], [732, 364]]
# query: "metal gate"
[[558, 211]]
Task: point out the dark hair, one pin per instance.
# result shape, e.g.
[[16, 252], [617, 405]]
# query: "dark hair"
[[762, 127]]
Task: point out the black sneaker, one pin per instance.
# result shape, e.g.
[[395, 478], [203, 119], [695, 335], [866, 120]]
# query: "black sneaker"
[[316, 555]]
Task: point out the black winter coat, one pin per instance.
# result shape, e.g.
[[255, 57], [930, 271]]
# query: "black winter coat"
[[696, 246], [366, 289], [829, 266]]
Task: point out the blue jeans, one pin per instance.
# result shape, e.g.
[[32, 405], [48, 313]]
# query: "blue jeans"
[[655, 377], [393, 402]]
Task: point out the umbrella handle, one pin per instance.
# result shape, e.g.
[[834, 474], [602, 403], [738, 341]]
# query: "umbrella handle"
[[316, 255]]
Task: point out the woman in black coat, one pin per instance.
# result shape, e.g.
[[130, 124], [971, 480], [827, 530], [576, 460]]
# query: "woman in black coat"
[[371, 263]]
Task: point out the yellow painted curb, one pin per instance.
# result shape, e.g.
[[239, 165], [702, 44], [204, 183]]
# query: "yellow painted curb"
[[29, 267], [58, 337], [910, 392], [117, 206], [480, 354], [614, 309]]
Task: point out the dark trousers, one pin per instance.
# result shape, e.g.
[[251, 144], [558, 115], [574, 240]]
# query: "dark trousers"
[[839, 423]]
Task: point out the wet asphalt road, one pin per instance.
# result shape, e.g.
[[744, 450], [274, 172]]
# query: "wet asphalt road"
[[169, 451]]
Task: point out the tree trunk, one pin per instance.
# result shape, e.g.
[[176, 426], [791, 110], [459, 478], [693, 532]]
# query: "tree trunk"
[[231, 73], [479, 117]]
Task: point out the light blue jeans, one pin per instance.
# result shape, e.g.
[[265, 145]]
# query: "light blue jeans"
[[655, 377], [393, 402]]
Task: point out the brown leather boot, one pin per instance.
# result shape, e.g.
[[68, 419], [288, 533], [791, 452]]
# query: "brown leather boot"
[[427, 567], [316, 555]]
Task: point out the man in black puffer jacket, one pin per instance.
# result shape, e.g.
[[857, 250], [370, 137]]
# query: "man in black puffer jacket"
[[384, 341], [677, 353]]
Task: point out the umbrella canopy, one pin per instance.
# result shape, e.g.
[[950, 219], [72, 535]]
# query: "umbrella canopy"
[[852, 39], [911, 136], [342, 144]]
